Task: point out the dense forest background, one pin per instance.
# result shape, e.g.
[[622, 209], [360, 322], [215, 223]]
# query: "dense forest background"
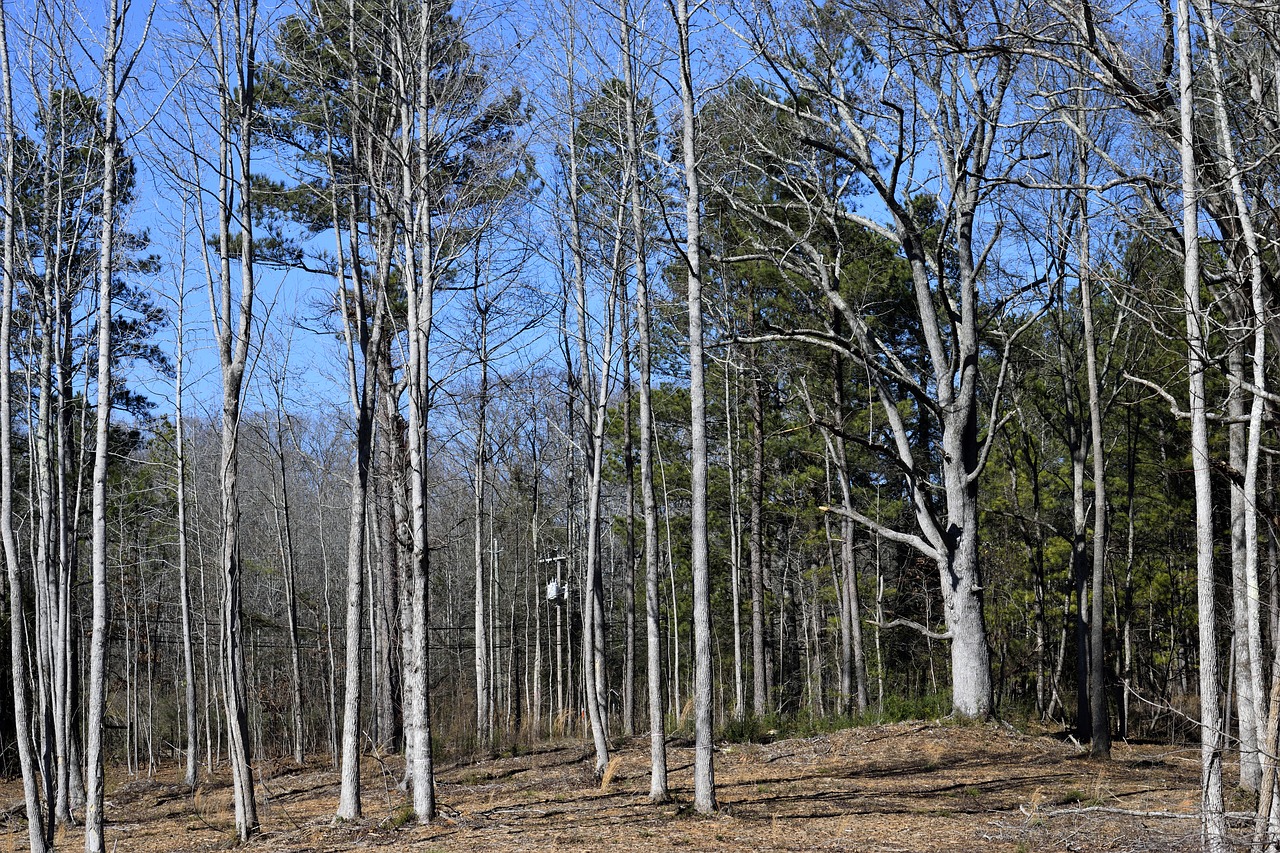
[[400, 377]]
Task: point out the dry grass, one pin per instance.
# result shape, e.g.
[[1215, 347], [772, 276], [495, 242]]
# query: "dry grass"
[[610, 771], [906, 787]]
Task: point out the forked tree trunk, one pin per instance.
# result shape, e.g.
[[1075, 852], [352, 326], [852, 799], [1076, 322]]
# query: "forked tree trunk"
[[365, 341], [594, 406], [233, 321]]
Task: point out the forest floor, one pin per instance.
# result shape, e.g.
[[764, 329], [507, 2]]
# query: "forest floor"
[[903, 787]]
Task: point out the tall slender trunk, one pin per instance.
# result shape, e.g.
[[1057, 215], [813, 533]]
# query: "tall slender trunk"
[[853, 657], [535, 693], [629, 557], [704, 795], [50, 532], [284, 542], [759, 690], [190, 774], [50, 654], [1101, 721], [1214, 825], [484, 698], [330, 661], [388, 465], [36, 819], [1080, 575], [1252, 697], [594, 396], [419, 273], [363, 389], [735, 543], [94, 823], [648, 501], [233, 322]]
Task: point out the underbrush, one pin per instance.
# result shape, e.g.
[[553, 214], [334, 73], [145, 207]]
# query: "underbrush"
[[896, 709]]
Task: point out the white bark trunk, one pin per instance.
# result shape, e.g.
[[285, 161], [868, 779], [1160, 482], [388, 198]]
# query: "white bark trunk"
[[94, 824], [1257, 319], [190, 773], [653, 627], [484, 701], [36, 819], [1214, 825], [704, 795], [232, 320]]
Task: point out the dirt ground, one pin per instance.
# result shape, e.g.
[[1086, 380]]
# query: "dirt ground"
[[904, 787]]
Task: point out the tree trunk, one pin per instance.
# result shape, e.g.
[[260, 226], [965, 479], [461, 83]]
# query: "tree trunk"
[[190, 774], [1256, 314], [1214, 825], [629, 557], [959, 569], [704, 794], [735, 543], [94, 819], [653, 626], [1099, 717], [420, 258], [36, 821], [388, 467], [595, 401], [363, 388], [484, 701], [759, 693]]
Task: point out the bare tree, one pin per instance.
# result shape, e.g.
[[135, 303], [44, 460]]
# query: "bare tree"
[[233, 48], [1214, 823], [639, 245], [116, 68], [36, 819], [974, 146], [1100, 743], [704, 795], [190, 773]]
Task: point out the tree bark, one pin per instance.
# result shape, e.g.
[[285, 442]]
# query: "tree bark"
[[233, 320], [484, 700], [1213, 821], [649, 508], [704, 794], [1245, 547], [1100, 746], [759, 691], [94, 823], [36, 819], [190, 774]]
